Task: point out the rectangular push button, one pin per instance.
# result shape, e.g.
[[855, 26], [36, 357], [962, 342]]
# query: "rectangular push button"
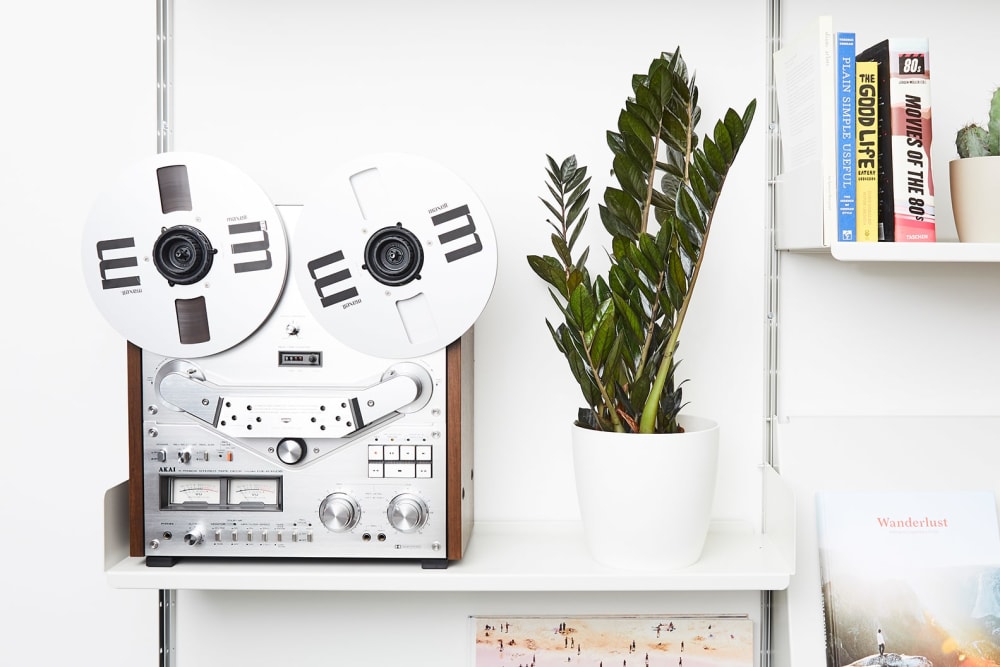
[[400, 470]]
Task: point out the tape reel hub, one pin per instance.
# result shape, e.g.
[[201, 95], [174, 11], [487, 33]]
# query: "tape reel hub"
[[393, 256], [183, 255]]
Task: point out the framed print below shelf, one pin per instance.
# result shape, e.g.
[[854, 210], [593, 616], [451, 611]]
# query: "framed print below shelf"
[[643, 640]]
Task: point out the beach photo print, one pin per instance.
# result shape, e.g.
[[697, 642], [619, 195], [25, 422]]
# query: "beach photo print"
[[613, 641]]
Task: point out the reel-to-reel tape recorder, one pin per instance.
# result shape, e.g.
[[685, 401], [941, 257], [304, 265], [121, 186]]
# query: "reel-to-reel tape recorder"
[[299, 396]]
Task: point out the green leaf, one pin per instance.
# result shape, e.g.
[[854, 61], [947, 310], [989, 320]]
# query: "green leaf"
[[615, 142], [677, 280], [737, 130], [577, 201], [604, 337], [643, 263], [748, 114], [548, 269], [724, 142], [712, 181], [567, 169], [556, 337], [628, 316], [647, 244], [552, 209], [583, 307], [559, 243], [625, 210], [633, 126], [650, 104], [576, 233], [630, 176], [714, 157], [688, 209], [617, 227], [553, 169]]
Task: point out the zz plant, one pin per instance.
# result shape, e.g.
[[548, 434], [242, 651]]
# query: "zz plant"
[[620, 333], [976, 141]]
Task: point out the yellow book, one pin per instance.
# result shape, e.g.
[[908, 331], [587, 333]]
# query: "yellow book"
[[866, 150]]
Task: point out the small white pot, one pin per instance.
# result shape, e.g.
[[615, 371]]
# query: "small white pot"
[[974, 183], [646, 500]]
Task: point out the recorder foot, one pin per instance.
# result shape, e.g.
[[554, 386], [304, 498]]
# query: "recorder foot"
[[434, 564], [160, 561]]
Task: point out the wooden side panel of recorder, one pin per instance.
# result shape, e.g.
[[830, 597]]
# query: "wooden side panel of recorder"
[[459, 360], [136, 528]]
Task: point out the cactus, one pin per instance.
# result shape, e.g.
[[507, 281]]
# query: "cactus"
[[975, 141]]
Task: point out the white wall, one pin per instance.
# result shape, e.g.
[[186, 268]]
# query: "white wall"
[[78, 103], [282, 90]]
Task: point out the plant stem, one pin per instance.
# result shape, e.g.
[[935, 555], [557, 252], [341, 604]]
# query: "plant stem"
[[615, 420], [647, 420]]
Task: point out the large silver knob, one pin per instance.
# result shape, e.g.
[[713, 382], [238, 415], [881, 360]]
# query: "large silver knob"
[[339, 512], [194, 537], [291, 450], [407, 513]]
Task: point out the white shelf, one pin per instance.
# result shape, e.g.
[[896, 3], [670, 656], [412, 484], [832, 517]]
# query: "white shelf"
[[502, 556], [942, 251]]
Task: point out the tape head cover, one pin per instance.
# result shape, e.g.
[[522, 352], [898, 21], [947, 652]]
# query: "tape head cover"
[[185, 255]]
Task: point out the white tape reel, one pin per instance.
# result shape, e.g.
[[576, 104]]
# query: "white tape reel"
[[395, 256], [185, 255]]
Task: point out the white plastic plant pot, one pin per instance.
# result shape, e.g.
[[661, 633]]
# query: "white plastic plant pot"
[[646, 500]]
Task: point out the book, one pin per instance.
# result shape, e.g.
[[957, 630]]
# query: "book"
[[846, 139], [866, 152], [910, 577], [905, 115], [805, 81], [726, 640]]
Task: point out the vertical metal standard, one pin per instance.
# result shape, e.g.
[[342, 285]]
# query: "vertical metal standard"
[[773, 11], [164, 75], [164, 143], [168, 621], [773, 256]]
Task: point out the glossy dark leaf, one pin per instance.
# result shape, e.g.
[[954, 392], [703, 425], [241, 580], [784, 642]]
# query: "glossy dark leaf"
[[548, 269], [583, 307], [724, 142], [567, 169], [603, 337], [630, 176], [712, 180], [631, 126], [650, 104], [625, 210], [714, 157], [562, 250], [615, 225], [678, 282]]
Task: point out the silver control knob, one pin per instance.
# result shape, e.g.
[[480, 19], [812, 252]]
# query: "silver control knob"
[[193, 537], [291, 450], [339, 512], [407, 513]]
